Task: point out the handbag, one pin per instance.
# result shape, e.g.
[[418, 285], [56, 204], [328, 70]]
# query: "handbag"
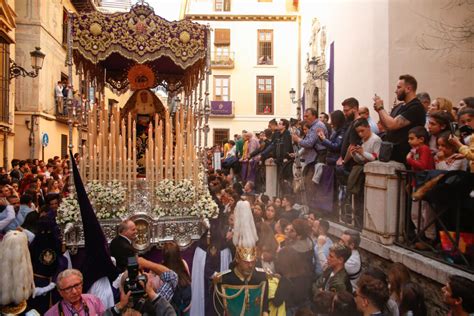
[[385, 152]]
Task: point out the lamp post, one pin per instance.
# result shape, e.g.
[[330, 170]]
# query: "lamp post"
[[312, 68], [37, 59], [298, 101]]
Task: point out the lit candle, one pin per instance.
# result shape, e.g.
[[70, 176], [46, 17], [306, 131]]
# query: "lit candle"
[[160, 153], [129, 159], [114, 163], [134, 152], [93, 163]]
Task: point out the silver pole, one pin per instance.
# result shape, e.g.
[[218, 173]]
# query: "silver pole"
[[206, 104], [194, 113], [70, 96], [200, 115], [206, 98], [79, 112]]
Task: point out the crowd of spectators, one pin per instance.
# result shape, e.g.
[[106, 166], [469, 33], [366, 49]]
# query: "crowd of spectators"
[[321, 160], [320, 173]]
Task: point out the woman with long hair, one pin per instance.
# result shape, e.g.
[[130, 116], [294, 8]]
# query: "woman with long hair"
[[53, 186], [438, 122], [267, 246], [413, 300], [398, 276], [181, 300]]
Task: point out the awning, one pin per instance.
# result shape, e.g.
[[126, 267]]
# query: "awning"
[[107, 46]]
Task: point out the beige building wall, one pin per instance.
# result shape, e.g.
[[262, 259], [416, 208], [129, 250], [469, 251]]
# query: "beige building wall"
[[40, 23], [243, 44], [7, 135], [376, 41], [423, 42]]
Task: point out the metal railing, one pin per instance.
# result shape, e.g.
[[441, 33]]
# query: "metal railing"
[[420, 219], [222, 60]]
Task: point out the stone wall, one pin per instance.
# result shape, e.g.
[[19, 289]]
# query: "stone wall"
[[432, 289]]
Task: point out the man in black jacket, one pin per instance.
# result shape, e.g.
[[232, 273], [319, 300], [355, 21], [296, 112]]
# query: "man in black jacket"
[[121, 246]]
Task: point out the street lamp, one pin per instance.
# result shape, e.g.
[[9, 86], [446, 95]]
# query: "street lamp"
[[296, 101], [37, 59], [312, 68]]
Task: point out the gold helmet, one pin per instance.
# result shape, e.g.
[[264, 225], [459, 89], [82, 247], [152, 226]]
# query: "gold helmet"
[[245, 234]]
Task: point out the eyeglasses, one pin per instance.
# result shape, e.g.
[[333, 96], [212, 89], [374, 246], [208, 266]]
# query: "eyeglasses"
[[69, 289]]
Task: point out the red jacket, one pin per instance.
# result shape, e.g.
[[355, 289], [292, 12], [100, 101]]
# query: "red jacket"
[[422, 159]]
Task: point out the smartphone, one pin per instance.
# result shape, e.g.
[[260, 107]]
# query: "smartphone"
[[454, 128]]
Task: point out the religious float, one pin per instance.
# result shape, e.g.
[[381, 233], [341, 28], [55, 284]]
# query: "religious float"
[[145, 161]]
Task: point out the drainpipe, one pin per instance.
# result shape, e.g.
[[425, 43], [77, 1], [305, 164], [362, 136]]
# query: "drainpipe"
[[31, 137]]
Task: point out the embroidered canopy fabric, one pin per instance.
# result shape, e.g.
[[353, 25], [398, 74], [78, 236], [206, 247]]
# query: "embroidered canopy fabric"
[[107, 45]]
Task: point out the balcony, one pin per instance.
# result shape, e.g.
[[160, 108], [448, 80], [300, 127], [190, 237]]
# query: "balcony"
[[61, 113], [222, 109], [222, 61]]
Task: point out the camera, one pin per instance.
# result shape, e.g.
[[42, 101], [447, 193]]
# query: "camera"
[[135, 282]]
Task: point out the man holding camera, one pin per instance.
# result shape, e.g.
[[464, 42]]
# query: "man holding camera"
[[141, 300]]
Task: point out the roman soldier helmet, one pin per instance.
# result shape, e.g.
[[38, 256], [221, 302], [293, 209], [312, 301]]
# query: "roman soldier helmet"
[[245, 234]]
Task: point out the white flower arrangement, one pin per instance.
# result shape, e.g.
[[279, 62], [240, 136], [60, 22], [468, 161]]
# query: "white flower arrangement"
[[173, 211], [68, 211], [183, 196], [205, 207], [108, 200], [183, 191]]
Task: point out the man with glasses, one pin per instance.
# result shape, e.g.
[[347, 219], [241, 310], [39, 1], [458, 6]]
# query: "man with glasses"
[[73, 302]]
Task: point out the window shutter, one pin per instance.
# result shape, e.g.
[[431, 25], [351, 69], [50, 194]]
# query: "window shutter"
[[222, 37]]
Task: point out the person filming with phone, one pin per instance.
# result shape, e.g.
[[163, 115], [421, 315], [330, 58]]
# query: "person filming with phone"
[[365, 151], [465, 142], [408, 115]]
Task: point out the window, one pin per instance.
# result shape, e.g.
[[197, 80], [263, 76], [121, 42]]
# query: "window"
[[222, 5], [220, 134], [265, 95], [64, 27], [63, 145], [222, 46], [265, 47], [222, 53], [221, 88], [4, 79]]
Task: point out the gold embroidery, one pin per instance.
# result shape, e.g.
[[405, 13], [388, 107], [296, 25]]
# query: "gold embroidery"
[[103, 41]]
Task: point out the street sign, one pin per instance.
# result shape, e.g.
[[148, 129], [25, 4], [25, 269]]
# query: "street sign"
[[45, 140]]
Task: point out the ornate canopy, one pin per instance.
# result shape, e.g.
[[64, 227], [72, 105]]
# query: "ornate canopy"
[[107, 46]]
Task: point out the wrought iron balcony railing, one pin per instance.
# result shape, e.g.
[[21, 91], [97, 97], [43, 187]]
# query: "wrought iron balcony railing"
[[225, 61]]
